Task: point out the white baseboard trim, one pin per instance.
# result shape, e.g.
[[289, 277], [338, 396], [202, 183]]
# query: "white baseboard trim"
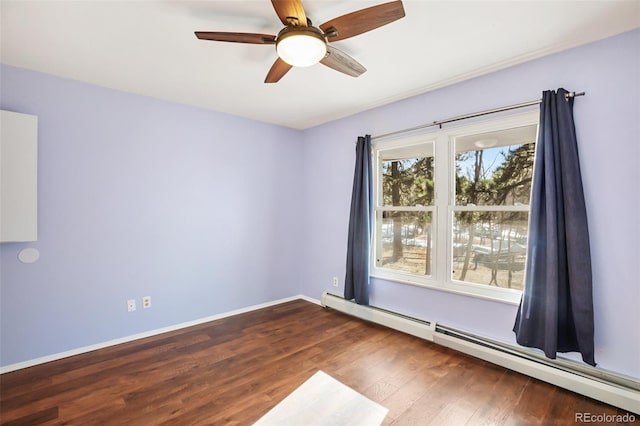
[[102, 345], [309, 299]]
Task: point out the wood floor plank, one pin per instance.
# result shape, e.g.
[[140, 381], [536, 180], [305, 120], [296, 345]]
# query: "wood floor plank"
[[37, 417], [233, 370], [501, 400]]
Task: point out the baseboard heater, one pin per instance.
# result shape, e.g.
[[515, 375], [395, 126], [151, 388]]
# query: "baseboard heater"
[[614, 389]]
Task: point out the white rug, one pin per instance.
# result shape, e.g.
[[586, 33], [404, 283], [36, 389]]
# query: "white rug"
[[322, 400]]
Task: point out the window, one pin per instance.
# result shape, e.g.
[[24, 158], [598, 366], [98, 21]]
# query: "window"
[[405, 212], [452, 207]]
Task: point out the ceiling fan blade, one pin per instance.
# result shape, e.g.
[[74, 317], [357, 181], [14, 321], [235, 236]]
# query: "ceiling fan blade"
[[237, 37], [363, 20], [340, 61], [277, 71], [290, 12]]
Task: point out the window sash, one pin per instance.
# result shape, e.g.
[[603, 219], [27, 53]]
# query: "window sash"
[[415, 240]]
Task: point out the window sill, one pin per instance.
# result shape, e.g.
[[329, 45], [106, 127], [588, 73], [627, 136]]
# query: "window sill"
[[495, 294]]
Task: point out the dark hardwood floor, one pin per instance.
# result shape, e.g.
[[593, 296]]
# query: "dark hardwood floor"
[[232, 371]]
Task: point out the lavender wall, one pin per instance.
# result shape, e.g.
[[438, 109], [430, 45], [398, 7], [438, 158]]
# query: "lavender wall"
[[139, 197], [609, 141], [202, 210]]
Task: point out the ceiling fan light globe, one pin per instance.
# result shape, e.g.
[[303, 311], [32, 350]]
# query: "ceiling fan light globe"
[[486, 143], [301, 49]]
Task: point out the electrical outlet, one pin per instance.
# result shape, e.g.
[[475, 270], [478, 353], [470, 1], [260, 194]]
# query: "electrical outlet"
[[131, 305], [335, 281], [146, 302]]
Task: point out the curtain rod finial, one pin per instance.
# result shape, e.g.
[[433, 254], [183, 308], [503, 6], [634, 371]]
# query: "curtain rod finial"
[[569, 95]]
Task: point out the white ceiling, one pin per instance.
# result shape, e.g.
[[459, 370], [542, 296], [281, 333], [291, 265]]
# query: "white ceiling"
[[148, 47]]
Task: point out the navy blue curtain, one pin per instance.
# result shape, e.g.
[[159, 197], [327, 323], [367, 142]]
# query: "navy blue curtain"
[[556, 310], [356, 283]]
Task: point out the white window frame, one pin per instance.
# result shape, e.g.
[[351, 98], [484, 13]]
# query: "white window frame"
[[444, 207], [379, 208]]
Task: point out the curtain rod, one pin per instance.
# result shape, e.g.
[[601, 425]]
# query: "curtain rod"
[[472, 115]]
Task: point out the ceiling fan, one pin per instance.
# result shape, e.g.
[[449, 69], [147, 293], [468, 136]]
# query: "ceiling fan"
[[301, 44]]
